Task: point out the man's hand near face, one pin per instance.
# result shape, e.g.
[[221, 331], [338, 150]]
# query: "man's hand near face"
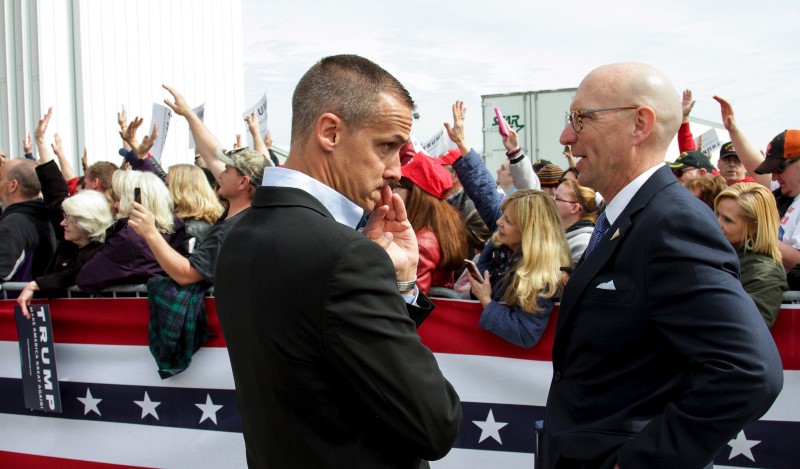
[[388, 226]]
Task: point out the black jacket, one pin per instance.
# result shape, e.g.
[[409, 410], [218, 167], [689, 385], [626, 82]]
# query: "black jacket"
[[27, 241], [329, 369]]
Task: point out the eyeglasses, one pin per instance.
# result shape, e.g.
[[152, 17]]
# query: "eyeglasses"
[[555, 197], [70, 220], [576, 117], [785, 165], [680, 172]]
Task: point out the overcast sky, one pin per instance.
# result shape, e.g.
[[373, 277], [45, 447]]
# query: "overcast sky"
[[746, 52]]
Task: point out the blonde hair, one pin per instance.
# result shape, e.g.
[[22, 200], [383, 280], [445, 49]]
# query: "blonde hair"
[[585, 198], [757, 207], [544, 249], [91, 212], [155, 197], [192, 194]]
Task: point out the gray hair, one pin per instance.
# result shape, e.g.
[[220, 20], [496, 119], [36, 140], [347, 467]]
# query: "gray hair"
[[155, 197], [92, 213]]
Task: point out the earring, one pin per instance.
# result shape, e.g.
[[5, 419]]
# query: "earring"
[[749, 244]]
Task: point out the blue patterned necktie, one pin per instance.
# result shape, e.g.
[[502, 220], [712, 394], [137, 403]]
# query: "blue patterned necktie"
[[599, 230]]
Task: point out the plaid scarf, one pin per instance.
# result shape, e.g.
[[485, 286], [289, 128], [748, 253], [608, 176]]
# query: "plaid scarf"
[[178, 323]]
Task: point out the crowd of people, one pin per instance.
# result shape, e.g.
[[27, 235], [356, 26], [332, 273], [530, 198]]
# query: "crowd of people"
[[450, 198], [530, 230]]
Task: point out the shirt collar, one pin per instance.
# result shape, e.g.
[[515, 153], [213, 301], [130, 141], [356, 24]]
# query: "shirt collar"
[[623, 198], [343, 209]]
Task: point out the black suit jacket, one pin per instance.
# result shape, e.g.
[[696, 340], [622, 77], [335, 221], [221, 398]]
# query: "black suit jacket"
[[659, 357], [328, 367]]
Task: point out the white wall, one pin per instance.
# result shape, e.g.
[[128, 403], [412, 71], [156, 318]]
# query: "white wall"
[[87, 58]]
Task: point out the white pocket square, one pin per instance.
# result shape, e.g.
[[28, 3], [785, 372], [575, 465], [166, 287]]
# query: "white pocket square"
[[607, 285]]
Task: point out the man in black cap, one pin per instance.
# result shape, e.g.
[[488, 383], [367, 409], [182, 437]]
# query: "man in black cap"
[[731, 167], [691, 165]]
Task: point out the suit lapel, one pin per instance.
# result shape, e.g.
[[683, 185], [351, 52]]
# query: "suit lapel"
[[589, 267]]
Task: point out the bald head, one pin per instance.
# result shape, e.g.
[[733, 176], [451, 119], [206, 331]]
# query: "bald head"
[[642, 85]]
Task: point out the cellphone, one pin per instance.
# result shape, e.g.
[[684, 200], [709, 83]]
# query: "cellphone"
[[501, 123], [137, 195], [474, 272]]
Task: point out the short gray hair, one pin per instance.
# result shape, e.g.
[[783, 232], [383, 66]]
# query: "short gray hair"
[[92, 213]]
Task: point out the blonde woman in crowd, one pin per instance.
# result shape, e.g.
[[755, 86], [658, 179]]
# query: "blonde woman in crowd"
[[521, 265], [195, 202], [748, 217]]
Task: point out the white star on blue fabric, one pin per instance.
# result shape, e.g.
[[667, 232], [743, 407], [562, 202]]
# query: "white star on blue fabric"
[[741, 445], [148, 406], [490, 428], [90, 403], [209, 410]]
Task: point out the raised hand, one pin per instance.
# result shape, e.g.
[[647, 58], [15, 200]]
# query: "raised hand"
[[42, 127], [122, 118], [511, 141], [147, 143], [57, 149], [687, 103], [129, 135], [178, 103], [456, 131], [726, 111], [27, 144]]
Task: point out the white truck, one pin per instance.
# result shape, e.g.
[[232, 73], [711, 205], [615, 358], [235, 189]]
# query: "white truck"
[[538, 118]]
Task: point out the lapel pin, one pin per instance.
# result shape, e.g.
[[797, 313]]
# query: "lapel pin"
[[616, 233]]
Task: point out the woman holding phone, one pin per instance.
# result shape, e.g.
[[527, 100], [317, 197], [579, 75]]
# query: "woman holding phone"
[[521, 264], [125, 258]]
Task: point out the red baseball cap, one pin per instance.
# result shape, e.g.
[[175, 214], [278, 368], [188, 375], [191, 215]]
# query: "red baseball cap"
[[428, 174]]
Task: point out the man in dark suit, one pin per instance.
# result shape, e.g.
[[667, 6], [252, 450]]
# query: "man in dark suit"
[[660, 357], [328, 367]]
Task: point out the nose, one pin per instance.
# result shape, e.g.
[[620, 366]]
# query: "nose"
[[568, 135], [392, 170], [775, 176]]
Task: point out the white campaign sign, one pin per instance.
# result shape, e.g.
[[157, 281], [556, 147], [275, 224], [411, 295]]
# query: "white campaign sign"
[[260, 108], [161, 116]]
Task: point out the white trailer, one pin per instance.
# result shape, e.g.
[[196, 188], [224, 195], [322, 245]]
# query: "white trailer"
[[538, 118]]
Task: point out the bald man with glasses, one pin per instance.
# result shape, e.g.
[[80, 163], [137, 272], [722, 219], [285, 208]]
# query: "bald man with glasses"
[[659, 357]]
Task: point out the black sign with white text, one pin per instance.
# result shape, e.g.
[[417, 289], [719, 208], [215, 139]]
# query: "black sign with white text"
[[38, 359]]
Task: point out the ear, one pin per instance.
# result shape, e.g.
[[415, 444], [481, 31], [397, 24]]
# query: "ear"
[[703, 171], [13, 186], [645, 122], [245, 183], [327, 131]]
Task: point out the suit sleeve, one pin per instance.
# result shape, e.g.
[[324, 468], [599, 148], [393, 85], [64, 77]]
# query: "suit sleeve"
[[371, 342], [733, 371]]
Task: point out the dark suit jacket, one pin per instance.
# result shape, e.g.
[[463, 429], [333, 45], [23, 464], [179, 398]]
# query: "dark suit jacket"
[[328, 367], [666, 366]]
